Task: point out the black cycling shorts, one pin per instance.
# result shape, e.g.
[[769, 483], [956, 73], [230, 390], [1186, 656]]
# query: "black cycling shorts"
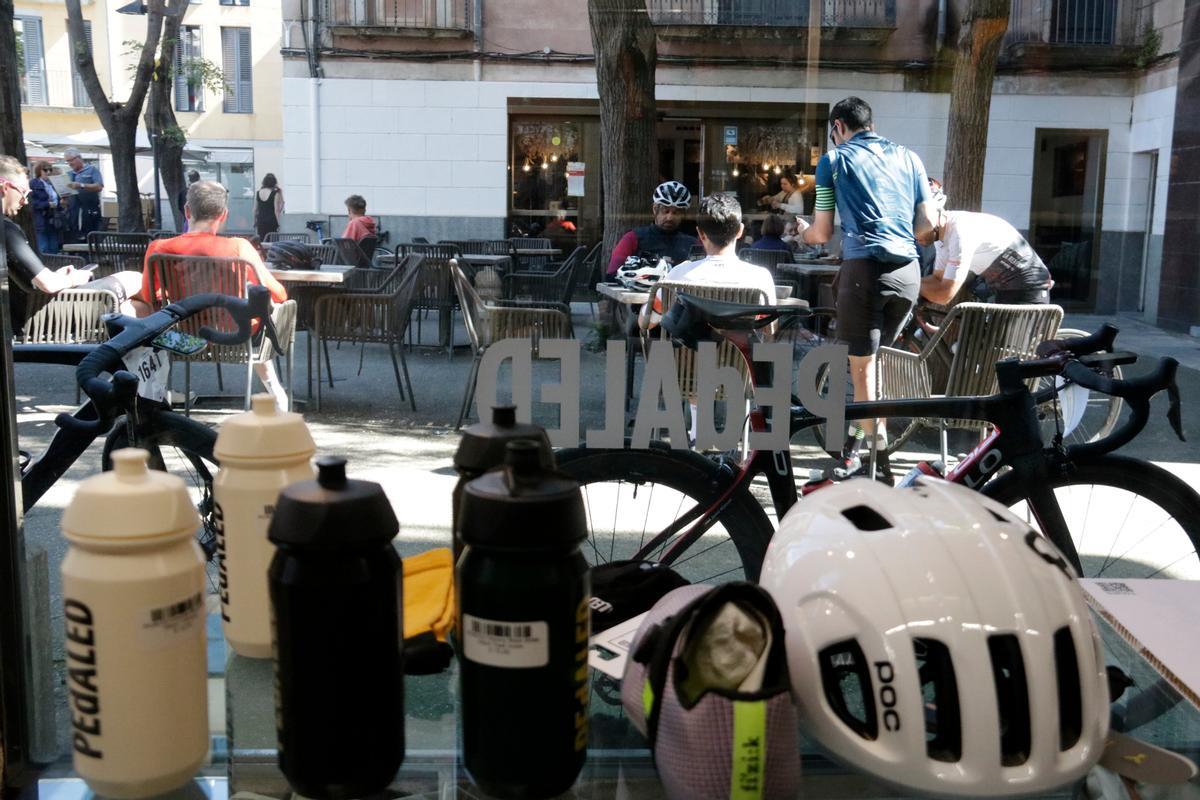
[[873, 301]]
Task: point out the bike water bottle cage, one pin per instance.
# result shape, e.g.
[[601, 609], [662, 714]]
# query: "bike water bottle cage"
[[937, 642]]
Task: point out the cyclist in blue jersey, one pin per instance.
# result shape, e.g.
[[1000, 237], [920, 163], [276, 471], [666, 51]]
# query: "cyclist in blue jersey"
[[881, 194]]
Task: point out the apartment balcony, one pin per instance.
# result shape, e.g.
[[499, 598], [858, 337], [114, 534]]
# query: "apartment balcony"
[[417, 18], [861, 20], [1072, 33]]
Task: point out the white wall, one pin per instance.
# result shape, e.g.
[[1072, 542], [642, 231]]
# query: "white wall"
[[439, 148]]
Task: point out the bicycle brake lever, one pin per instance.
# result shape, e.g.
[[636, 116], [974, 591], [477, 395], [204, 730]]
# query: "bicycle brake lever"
[[1175, 410], [119, 394]]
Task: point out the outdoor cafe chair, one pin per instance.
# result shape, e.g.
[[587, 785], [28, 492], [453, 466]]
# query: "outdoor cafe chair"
[[348, 252], [487, 323], [532, 261], [547, 288], [589, 272], [117, 252], [769, 260], [379, 316], [72, 316], [174, 277], [327, 254], [435, 292], [279, 236], [977, 335]]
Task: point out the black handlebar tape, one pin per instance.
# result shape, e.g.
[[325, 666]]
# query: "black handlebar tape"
[[1162, 377]]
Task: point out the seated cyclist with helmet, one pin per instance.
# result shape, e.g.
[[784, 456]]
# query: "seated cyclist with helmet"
[[206, 211], [662, 238], [981, 258], [720, 226]]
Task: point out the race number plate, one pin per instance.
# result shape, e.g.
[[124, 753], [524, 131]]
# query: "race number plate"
[[152, 368]]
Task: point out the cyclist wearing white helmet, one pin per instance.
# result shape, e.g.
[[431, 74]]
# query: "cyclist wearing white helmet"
[[662, 239], [984, 253]]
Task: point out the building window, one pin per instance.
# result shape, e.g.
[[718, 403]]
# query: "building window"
[[32, 62], [78, 90], [189, 89], [236, 64]]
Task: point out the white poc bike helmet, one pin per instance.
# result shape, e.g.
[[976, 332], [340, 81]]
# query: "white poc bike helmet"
[[936, 642], [673, 194], [640, 274]]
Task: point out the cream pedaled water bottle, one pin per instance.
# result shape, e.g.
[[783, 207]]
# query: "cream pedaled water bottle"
[[133, 599], [260, 452]]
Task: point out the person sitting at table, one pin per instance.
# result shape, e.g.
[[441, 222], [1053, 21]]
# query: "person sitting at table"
[[359, 226], [207, 209], [662, 239], [771, 237], [27, 270], [790, 197], [720, 226]]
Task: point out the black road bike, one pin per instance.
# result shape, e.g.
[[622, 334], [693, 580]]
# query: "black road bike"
[[176, 443], [1112, 516]]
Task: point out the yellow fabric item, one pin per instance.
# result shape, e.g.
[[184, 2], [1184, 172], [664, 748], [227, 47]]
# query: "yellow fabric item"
[[429, 593]]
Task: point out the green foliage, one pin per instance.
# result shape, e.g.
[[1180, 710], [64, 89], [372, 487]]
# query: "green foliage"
[[19, 34], [174, 136], [1148, 50], [198, 71]]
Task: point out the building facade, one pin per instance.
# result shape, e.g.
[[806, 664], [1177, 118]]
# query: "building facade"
[[234, 133], [456, 117]]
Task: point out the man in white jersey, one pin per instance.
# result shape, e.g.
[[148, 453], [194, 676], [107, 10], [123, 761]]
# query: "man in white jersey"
[[719, 226], [985, 254]]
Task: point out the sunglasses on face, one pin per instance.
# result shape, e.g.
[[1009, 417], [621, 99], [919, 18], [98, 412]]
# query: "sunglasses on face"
[[10, 185]]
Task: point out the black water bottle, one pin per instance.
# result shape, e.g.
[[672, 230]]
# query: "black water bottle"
[[482, 448], [523, 628], [336, 599]]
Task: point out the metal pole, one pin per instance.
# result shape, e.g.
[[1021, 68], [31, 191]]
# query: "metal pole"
[[15, 681], [157, 188]]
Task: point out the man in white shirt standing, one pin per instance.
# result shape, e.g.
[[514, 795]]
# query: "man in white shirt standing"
[[719, 226]]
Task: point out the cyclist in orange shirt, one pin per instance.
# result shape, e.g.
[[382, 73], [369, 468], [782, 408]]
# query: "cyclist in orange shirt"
[[206, 210]]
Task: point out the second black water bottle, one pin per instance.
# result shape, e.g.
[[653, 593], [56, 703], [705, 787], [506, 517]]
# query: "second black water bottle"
[[336, 598], [523, 628]]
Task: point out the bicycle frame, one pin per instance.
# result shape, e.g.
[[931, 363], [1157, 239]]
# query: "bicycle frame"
[[1016, 442]]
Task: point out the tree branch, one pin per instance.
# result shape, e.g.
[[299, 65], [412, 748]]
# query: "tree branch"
[[145, 68], [85, 67]]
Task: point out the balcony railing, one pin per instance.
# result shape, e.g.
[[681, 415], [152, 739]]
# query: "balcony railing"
[[773, 13], [401, 15], [1071, 22]]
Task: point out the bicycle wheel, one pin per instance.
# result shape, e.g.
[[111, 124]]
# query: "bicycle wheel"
[[631, 495], [180, 446], [1094, 417], [1127, 518]]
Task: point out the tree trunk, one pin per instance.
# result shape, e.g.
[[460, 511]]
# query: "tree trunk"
[[161, 124], [12, 135], [982, 32], [120, 118], [626, 54]]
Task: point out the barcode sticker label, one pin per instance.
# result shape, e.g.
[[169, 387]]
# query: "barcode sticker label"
[[495, 643], [161, 626]]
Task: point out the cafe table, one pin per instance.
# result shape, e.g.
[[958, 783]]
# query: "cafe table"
[[242, 760], [328, 273], [810, 274], [306, 289]]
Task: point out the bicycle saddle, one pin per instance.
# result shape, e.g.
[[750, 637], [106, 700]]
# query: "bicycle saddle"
[[690, 318]]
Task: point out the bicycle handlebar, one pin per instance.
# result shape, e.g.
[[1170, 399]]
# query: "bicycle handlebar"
[[1101, 340], [118, 393]]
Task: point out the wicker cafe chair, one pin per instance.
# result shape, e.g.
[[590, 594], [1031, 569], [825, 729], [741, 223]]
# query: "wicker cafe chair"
[[175, 277], [117, 252], [73, 316], [348, 252], [487, 323], [328, 254], [435, 292], [727, 354], [980, 334], [547, 288], [278, 236], [380, 316], [588, 273], [533, 261]]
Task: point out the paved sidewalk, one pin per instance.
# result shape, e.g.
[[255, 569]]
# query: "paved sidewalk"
[[1143, 338]]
